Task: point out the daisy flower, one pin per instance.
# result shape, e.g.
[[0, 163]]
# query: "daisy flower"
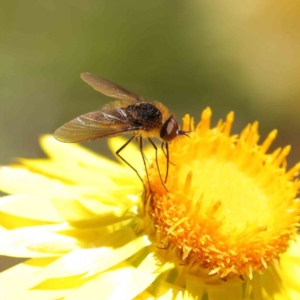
[[223, 227]]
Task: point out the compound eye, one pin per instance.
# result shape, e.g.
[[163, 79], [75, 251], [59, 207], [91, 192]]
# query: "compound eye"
[[169, 130]]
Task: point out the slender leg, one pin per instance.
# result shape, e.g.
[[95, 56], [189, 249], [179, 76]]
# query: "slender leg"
[[126, 162], [157, 165], [144, 161], [163, 150], [168, 161]]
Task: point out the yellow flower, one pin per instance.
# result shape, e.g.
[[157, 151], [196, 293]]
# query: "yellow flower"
[[223, 227]]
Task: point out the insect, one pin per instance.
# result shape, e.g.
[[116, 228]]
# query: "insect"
[[130, 114]]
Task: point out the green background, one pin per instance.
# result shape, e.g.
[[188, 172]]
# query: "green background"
[[187, 54]]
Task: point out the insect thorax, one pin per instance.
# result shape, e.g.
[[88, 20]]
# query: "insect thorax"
[[144, 114]]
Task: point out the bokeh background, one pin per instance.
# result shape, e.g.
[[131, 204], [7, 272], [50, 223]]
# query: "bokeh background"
[[229, 55]]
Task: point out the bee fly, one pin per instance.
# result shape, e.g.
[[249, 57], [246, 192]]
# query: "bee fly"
[[129, 114]]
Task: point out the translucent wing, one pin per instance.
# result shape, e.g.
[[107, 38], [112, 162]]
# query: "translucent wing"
[[108, 122], [109, 88]]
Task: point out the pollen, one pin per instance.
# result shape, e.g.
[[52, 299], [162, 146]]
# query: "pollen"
[[229, 208]]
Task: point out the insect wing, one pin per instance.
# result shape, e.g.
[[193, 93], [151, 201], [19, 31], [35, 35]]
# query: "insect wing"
[[94, 126], [109, 88]]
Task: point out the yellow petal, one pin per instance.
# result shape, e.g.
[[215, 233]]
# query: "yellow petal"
[[17, 180], [37, 241], [72, 210], [152, 263], [69, 172], [75, 153], [90, 212], [110, 257], [225, 291], [168, 291], [48, 294], [117, 247], [31, 207], [98, 208], [113, 284], [25, 275], [145, 295], [121, 282], [290, 268], [194, 289], [9, 222]]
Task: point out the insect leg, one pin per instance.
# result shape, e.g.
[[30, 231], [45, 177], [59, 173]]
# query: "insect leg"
[[157, 165], [126, 162], [168, 161], [144, 161], [163, 150]]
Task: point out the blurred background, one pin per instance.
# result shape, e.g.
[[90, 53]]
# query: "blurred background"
[[229, 55]]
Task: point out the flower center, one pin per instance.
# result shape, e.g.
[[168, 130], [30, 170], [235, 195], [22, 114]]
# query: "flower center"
[[239, 198]]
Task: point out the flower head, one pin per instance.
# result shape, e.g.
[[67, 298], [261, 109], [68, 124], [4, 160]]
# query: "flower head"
[[224, 226], [231, 208]]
